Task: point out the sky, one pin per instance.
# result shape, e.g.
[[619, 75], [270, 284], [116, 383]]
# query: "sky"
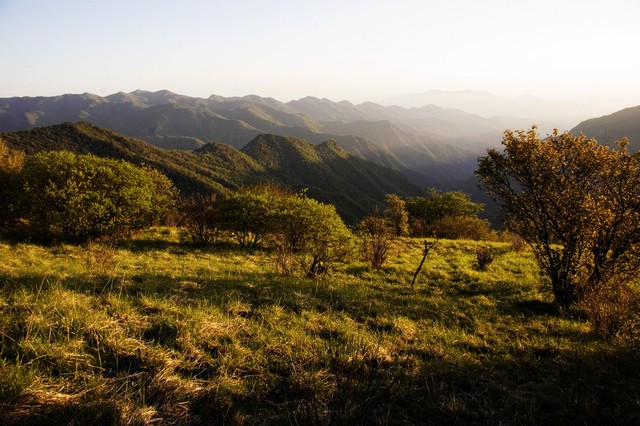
[[356, 50]]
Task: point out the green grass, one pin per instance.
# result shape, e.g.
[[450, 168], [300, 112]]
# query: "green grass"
[[153, 330]]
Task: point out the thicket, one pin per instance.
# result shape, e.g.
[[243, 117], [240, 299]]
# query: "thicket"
[[303, 232], [61, 196]]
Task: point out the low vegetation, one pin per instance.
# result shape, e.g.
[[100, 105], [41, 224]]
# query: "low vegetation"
[[152, 330]]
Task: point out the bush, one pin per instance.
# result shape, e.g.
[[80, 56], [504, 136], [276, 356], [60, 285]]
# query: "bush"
[[484, 258], [76, 198], [462, 227], [301, 229], [447, 215], [375, 241], [11, 162], [614, 312], [198, 216], [576, 203]]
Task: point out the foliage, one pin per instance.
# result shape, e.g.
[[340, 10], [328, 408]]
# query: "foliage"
[[576, 203], [295, 225], [462, 227], [304, 226], [375, 239], [396, 214], [438, 212], [69, 197], [198, 217], [11, 162], [484, 257], [246, 214]]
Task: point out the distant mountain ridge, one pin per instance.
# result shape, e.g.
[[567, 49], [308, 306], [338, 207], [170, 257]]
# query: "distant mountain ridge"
[[433, 146], [329, 173]]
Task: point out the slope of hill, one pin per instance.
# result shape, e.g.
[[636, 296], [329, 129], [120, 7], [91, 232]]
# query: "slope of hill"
[[612, 127], [186, 170], [330, 173]]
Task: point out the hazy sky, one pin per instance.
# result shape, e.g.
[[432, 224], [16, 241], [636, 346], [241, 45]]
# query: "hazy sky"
[[347, 49]]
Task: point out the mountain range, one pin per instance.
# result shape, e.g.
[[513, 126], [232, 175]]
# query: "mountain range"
[[431, 145]]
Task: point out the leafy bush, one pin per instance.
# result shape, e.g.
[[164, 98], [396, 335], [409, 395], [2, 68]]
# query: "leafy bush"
[[11, 162], [310, 229], [396, 214], [69, 197], [198, 216], [293, 224], [484, 258], [375, 241], [462, 227], [447, 215]]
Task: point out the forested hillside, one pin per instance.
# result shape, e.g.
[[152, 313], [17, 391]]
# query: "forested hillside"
[[328, 172]]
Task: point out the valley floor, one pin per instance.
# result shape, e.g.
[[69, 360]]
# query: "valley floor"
[[155, 331]]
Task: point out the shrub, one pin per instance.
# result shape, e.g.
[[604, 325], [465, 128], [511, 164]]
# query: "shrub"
[[614, 312], [375, 241], [448, 215], [198, 216], [575, 201], [76, 198], [11, 162], [462, 227], [484, 258]]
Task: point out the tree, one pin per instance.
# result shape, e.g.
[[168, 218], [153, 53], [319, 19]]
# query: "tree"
[[246, 214], [69, 197], [575, 202], [396, 215], [198, 216], [298, 227], [11, 162], [375, 239], [303, 227], [439, 212]]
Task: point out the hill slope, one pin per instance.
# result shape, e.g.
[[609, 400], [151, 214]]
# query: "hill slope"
[[612, 127], [331, 174]]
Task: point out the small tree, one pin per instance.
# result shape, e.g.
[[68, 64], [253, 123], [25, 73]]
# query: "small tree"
[[375, 241], [311, 230], [575, 202], [11, 162], [246, 214], [435, 213], [396, 215], [198, 217]]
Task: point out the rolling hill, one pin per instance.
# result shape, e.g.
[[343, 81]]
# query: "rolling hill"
[[331, 174]]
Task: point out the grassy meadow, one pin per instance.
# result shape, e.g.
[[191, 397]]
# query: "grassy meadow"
[[153, 331]]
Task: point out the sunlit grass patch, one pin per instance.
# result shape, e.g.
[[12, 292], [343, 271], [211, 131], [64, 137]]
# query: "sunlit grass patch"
[[179, 334]]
